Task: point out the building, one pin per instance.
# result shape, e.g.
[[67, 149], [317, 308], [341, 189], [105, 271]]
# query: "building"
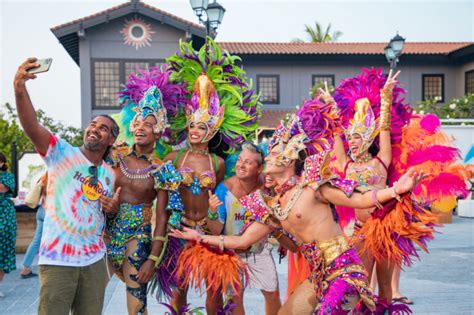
[[109, 45]]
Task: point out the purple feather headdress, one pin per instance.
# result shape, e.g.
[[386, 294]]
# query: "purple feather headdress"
[[368, 85], [309, 128]]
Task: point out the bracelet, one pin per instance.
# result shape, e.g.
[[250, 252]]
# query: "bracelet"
[[160, 238], [156, 259], [394, 193], [213, 216], [375, 200], [221, 242]]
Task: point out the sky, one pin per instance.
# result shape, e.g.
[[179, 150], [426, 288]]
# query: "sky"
[[25, 31]]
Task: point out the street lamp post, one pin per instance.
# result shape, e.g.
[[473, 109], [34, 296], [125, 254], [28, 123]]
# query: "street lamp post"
[[394, 50], [209, 14]]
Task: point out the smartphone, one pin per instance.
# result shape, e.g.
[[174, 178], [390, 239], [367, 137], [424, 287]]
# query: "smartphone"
[[44, 65]]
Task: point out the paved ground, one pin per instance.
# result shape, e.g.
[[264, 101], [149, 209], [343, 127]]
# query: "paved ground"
[[441, 283]]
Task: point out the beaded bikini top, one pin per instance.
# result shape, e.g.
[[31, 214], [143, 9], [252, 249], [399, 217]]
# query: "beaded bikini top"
[[194, 181], [367, 175]]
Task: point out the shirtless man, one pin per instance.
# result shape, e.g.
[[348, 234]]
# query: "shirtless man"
[[133, 251]]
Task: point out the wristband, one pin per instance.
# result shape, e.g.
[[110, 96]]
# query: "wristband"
[[213, 216], [156, 259]]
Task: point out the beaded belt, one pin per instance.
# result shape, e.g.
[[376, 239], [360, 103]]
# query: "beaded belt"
[[193, 223]]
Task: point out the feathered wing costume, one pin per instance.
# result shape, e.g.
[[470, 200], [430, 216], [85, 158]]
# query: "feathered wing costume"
[[173, 97], [429, 150], [221, 96], [393, 231]]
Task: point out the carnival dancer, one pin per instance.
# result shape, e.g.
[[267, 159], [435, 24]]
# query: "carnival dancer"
[[142, 178], [223, 109], [369, 170], [227, 216], [72, 264], [302, 206], [371, 104]]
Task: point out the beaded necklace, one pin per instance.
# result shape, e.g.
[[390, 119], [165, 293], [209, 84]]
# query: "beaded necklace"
[[141, 173], [363, 158], [290, 183], [282, 214], [203, 152]]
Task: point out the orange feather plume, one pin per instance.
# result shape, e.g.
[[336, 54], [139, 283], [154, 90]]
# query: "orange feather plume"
[[200, 264]]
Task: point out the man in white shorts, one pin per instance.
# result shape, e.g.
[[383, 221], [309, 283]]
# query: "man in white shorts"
[[226, 216]]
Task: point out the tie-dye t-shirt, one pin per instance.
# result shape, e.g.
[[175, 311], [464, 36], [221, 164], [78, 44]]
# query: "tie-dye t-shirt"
[[74, 222], [232, 215]]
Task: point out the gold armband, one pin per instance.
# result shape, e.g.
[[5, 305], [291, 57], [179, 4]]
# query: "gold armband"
[[160, 238], [385, 109]]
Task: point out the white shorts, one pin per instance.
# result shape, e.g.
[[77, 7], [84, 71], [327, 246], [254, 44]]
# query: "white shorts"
[[262, 269]]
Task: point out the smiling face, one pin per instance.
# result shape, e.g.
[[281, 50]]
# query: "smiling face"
[[355, 144], [98, 135], [196, 132], [143, 130], [272, 166], [248, 165], [270, 183]]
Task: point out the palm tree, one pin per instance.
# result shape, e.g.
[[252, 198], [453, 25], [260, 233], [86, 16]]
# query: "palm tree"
[[316, 34]]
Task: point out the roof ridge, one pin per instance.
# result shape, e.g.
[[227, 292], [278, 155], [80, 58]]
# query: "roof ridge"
[[343, 43], [115, 7], [119, 6]]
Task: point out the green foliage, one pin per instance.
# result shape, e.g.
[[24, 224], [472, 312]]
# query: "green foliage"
[[458, 108], [320, 85], [12, 131], [317, 35]]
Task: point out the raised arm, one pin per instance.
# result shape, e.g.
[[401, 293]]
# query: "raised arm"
[[370, 199], [254, 233], [26, 112], [385, 152], [339, 150]]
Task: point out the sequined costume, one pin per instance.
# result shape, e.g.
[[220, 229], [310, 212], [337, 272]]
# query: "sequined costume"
[[130, 231], [395, 232], [365, 105], [336, 271], [338, 276], [222, 99], [133, 222]]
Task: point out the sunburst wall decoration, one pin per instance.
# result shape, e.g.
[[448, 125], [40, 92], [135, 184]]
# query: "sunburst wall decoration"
[[137, 33]]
